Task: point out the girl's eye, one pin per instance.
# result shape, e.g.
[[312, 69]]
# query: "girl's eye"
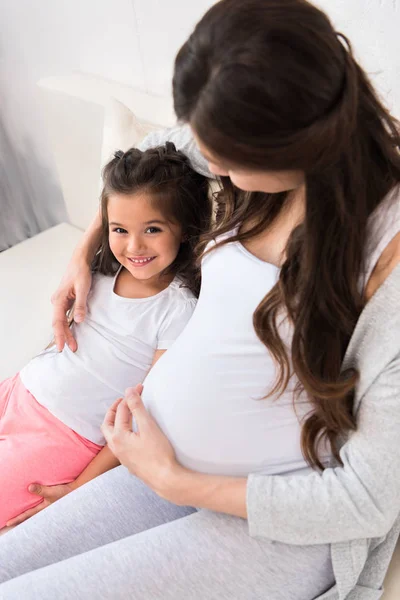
[[153, 230], [120, 230]]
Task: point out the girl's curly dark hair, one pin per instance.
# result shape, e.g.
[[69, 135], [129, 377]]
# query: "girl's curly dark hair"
[[179, 193]]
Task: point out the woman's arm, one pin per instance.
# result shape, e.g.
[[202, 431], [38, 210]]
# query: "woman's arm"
[[218, 493], [357, 500], [149, 455], [87, 247], [75, 286]]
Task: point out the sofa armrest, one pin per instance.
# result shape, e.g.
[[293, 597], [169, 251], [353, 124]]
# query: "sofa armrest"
[[31, 272]]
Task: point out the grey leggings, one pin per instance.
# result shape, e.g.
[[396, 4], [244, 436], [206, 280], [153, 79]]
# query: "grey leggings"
[[115, 539]]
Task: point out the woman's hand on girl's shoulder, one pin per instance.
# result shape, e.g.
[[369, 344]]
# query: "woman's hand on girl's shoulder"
[[72, 291], [49, 494]]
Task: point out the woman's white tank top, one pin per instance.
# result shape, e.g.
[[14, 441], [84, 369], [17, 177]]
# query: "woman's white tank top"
[[207, 391]]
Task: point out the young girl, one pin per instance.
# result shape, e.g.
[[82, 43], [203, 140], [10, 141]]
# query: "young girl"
[[154, 207]]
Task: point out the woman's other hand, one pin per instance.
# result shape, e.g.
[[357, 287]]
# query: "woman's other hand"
[[146, 453], [73, 289], [49, 494]]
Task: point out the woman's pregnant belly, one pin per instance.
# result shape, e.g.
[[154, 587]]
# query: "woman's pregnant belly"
[[207, 398]]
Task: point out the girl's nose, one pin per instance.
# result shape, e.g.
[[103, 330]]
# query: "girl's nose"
[[135, 245]]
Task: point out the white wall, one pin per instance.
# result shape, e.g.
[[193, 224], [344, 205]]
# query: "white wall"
[[373, 27], [135, 42], [129, 41]]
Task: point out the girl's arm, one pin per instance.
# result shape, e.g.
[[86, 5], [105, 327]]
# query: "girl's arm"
[[102, 462]]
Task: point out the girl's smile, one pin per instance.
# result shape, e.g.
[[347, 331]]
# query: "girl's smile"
[[141, 262]]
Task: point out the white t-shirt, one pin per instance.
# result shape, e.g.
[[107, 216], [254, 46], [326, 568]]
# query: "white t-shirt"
[[116, 346], [206, 392]]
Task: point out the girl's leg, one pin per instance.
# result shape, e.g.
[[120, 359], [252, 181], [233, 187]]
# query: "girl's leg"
[[202, 556], [34, 447], [109, 508]]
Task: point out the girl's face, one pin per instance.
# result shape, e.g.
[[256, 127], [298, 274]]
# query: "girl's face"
[[251, 180], [140, 236]]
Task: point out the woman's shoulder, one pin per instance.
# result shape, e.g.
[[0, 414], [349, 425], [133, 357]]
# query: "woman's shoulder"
[[387, 263], [375, 340], [383, 245]]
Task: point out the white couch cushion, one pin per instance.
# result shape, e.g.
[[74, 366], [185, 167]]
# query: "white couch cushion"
[[122, 129], [30, 273], [75, 109]]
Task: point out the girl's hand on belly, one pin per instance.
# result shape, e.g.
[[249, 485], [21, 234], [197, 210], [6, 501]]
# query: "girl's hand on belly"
[[148, 453]]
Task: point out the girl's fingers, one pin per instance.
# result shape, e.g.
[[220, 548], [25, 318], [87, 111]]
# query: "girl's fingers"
[[51, 493], [25, 515]]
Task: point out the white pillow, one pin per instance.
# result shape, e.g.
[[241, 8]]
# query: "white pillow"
[[122, 130]]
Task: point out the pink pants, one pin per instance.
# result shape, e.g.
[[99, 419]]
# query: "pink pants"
[[35, 447]]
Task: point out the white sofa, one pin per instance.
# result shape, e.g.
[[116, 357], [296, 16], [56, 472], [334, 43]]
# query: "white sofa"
[[87, 119]]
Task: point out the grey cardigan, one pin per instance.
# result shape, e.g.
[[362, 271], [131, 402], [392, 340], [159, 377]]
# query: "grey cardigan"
[[355, 508]]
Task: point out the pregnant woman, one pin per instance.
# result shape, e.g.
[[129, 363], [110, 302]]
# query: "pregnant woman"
[[276, 412]]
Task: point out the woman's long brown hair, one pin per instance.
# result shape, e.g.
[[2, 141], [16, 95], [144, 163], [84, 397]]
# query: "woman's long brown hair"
[[270, 85]]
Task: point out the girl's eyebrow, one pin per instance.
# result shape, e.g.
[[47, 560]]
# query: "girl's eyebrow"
[[146, 223]]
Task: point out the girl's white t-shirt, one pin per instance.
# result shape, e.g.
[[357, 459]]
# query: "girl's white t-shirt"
[[116, 346], [207, 392]]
